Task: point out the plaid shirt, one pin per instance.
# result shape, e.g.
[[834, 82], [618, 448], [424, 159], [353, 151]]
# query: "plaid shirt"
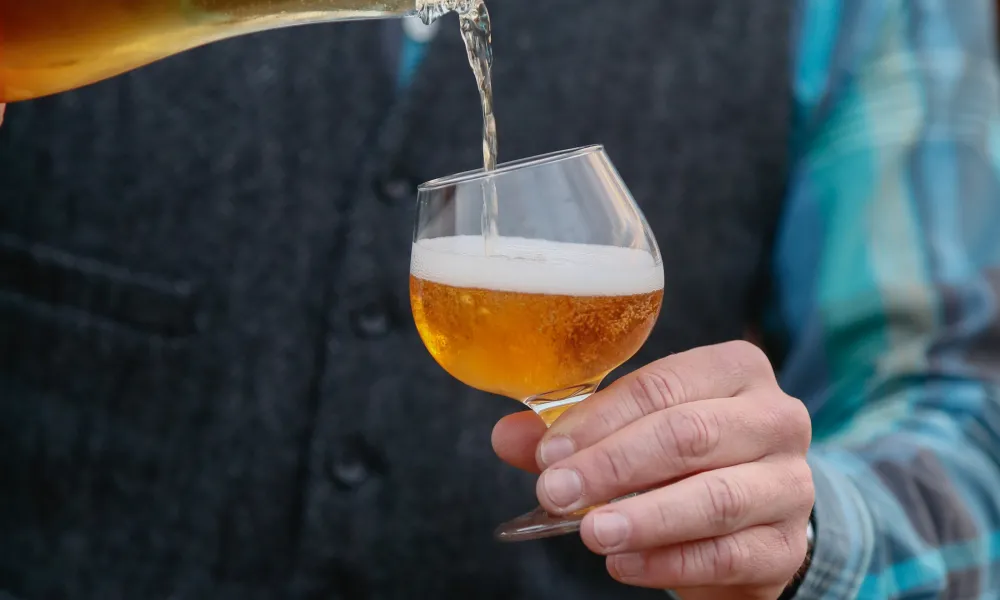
[[887, 271]]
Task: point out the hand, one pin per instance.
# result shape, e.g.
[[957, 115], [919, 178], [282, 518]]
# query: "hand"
[[725, 447], [2, 106]]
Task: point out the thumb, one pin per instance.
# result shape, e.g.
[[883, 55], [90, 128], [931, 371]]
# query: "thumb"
[[516, 437], [2, 106]]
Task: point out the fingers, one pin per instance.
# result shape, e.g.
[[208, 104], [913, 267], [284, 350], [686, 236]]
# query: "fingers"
[[711, 372], [515, 438], [672, 444], [759, 556], [707, 505], [2, 107]]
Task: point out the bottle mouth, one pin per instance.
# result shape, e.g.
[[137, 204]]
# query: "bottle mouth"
[[432, 10], [508, 167]]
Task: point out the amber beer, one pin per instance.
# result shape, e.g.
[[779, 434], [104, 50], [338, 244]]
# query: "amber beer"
[[49, 46], [559, 317]]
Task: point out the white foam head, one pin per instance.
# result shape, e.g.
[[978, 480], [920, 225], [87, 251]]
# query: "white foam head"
[[536, 266]]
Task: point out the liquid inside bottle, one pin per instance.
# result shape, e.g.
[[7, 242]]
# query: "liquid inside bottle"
[[50, 46]]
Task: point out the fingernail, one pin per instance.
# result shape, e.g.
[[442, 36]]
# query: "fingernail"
[[562, 486], [556, 449], [610, 529], [629, 566]]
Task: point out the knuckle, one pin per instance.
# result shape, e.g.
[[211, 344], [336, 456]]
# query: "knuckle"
[[800, 423], [612, 416], [656, 388], [727, 555], [666, 519], [800, 482], [748, 360], [787, 422], [612, 466], [691, 563], [688, 435], [727, 503], [717, 559], [770, 422], [777, 539], [788, 549], [748, 354]]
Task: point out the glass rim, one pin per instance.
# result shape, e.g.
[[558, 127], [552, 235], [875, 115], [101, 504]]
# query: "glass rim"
[[510, 167]]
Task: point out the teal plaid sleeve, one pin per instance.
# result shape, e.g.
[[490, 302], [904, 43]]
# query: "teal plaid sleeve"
[[886, 312]]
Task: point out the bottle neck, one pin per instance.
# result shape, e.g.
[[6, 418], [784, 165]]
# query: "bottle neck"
[[311, 11], [302, 11]]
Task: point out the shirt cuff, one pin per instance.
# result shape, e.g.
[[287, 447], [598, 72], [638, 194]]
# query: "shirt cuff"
[[845, 536]]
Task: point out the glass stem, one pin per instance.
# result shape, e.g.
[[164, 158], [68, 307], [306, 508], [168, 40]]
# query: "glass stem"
[[552, 405]]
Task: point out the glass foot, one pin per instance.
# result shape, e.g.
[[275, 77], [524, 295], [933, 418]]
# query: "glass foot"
[[538, 525]]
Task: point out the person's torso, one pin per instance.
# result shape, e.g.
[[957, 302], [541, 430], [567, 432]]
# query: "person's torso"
[[210, 385]]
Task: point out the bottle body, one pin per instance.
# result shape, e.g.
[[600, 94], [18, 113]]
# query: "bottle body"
[[50, 46]]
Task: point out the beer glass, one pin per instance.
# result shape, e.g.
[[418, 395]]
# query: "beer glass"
[[566, 289]]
